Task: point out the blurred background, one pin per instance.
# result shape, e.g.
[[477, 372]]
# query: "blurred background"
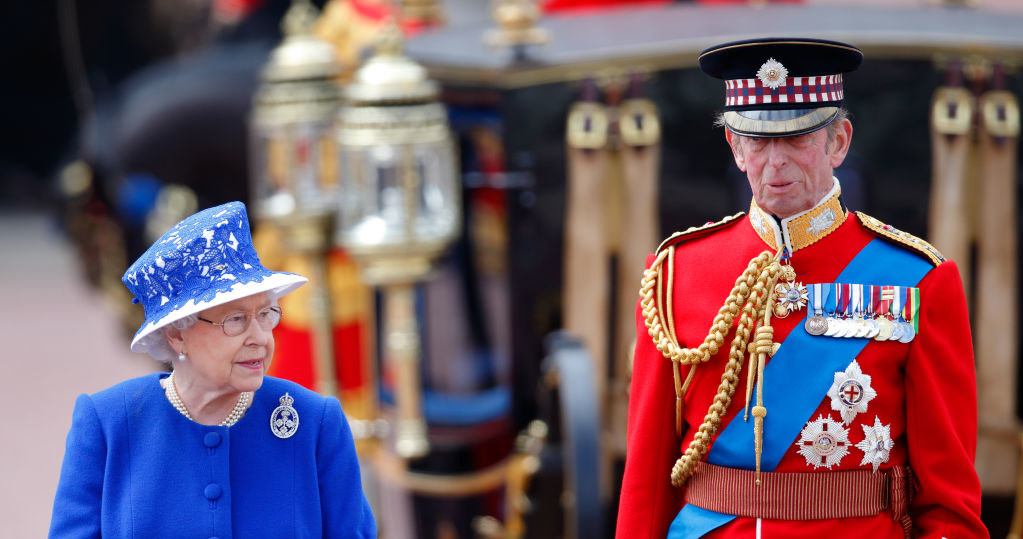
[[472, 187]]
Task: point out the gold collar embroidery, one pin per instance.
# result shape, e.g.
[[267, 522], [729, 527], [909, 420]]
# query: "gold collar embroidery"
[[803, 229]]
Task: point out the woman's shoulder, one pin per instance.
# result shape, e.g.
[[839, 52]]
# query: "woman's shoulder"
[[132, 388], [114, 402]]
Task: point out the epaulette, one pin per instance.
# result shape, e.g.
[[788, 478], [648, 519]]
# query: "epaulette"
[[902, 238], [694, 232]]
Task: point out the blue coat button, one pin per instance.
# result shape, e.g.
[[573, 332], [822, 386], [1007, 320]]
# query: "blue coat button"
[[212, 491], [212, 439]]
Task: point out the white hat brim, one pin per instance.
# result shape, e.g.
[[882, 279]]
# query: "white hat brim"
[[280, 284]]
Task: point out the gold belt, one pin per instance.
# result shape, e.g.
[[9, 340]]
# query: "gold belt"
[[803, 496]]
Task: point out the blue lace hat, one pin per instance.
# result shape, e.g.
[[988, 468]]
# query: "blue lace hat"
[[204, 261]]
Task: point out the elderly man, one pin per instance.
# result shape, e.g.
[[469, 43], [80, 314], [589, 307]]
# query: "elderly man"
[[857, 416]]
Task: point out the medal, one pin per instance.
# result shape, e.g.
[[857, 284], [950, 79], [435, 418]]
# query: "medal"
[[896, 314], [871, 299], [873, 330], [885, 329], [906, 314], [284, 419], [829, 308], [866, 316], [884, 301], [859, 324], [911, 314], [816, 324], [896, 331], [907, 332], [845, 326]]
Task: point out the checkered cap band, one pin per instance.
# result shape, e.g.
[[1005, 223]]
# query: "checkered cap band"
[[802, 90]]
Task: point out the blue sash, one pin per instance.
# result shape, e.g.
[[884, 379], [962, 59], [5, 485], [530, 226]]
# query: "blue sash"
[[796, 379]]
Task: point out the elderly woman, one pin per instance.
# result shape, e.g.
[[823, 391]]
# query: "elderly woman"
[[216, 448]]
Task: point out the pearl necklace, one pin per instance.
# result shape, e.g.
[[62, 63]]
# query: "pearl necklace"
[[171, 391]]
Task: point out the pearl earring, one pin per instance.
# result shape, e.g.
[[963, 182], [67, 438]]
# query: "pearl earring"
[[181, 356]]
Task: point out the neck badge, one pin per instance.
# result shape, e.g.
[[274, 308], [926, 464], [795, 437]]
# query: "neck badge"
[[791, 295]]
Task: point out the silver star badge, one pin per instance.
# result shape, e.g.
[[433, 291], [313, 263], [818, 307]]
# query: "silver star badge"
[[772, 73], [877, 444], [851, 392], [823, 442]]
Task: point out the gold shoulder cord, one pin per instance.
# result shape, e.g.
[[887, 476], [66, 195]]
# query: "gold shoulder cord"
[[751, 300]]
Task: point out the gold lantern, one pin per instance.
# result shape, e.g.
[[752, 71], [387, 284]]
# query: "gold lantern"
[[293, 161], [399, 205]]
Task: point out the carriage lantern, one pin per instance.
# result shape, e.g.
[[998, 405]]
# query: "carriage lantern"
[[399, 205]]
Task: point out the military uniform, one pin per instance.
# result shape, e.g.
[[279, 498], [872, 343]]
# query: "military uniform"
[[862, 432]]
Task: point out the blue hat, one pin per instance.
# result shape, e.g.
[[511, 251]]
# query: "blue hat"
[[204, 261], [779, 87]]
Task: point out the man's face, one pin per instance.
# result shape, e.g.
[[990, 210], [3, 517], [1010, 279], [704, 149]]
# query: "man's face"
[[789, 175]]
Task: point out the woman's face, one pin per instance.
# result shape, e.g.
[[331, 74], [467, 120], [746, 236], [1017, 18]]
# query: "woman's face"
[[217, 361]]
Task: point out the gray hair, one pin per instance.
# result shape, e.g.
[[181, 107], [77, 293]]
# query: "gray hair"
[[158, 346]]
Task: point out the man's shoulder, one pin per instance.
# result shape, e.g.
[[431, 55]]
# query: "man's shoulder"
[[696, 232], [904, 239]]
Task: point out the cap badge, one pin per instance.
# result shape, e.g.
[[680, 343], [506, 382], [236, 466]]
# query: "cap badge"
[[772, 74]]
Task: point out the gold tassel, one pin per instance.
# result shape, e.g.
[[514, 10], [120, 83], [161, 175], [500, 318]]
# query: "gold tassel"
[[765, 346]]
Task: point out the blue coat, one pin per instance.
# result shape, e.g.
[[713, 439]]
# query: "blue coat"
[[135, 467]]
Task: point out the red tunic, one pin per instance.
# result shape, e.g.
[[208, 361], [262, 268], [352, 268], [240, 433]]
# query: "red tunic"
[[925, 390]]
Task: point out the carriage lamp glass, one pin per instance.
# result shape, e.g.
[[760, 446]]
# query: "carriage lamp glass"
[[293, 159], [400, 190]]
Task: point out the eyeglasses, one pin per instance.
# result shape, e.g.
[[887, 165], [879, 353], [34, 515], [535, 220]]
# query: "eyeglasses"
[[236, 323]]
